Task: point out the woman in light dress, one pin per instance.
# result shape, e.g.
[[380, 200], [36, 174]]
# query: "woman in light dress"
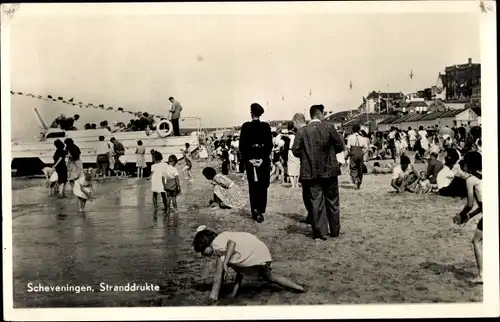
[[293, 165], [75, 165], [203, 154], [140, 152], [424, 142], [226, 193]]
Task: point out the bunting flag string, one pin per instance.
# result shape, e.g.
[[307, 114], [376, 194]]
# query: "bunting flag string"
[[80, 104]]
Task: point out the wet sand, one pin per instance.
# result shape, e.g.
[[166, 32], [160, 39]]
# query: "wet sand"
[[392, 249]]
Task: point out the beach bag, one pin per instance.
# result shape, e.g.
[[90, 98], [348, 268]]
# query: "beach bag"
[[53, 177]]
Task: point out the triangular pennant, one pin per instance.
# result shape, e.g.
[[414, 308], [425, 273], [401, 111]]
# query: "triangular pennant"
[[120, 109], [80, 103], [110, 108], [71, 99], [65, 102], [12, 92], [49, 96], [102, 105], [60, 98], [19, 93], [90, 104]]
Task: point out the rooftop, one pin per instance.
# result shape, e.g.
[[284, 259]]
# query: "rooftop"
[[423, 117]]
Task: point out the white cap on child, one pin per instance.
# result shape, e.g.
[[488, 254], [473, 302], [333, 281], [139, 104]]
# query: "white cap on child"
[[200, 228]]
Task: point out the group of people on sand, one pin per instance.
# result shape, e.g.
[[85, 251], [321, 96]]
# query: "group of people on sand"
[[317, 145], [311, 152]]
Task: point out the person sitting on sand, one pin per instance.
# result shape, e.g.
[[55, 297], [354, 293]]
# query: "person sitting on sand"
[[226, 193], [377, 169], [473, 166], [244, 253], [451, 178], [403, 176], [433, 168], [424, 184]]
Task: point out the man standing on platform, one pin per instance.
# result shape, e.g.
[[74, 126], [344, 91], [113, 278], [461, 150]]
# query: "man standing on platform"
[[175, 111]]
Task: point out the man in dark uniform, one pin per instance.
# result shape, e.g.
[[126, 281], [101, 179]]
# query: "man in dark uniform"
[[256, 144]]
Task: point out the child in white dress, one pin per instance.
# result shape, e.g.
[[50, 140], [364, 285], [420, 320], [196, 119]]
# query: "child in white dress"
[[83, 189], [158, 179]]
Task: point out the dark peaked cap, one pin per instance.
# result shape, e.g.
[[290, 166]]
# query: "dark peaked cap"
[[256, 109]]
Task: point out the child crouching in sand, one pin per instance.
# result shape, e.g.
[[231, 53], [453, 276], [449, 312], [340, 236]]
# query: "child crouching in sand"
[[83, 189], [226, 193], [244, 253]]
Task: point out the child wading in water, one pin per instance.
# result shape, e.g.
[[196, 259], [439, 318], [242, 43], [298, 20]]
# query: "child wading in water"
[[83, 189], [140, 152], [226, 193], [189, 164], [172, 183], [472, 164], [244, 253], [158, 179]]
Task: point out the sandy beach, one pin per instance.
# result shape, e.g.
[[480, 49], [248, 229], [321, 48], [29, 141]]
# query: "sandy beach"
[[392, 248]]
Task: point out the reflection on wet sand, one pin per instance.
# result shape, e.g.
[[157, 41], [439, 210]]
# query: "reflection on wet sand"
[[119, 239]]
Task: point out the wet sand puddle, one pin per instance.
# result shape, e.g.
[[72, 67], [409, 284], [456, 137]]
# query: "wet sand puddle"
[[119, 240]]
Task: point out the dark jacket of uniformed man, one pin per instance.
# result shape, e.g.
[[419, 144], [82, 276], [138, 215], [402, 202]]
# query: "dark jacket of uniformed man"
[[255, 146]]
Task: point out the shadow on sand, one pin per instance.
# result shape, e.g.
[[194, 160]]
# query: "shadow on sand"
[[461, 271]]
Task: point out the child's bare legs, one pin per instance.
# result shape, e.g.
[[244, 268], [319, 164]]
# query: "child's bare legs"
[[282, 281], [281, 172], [81, 204], [164, 199], [477, 242], [62, 187], [169, 202], [155, 200], [174, 203], [237, 284], [138, 173]]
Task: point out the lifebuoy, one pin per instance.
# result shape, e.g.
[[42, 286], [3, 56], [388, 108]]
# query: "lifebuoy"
[[168, 132]]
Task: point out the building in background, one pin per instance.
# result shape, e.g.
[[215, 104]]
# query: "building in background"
[[466, 116], [439, 91], [461, 79], [383, 103]]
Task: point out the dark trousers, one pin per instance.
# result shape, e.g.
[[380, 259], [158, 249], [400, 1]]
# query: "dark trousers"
[[225, 167], [175, 126], [457, 188], [323, 200], [356, 163], [258, 189]]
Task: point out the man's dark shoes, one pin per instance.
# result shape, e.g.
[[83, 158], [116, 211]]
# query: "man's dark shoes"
[[319, 237]]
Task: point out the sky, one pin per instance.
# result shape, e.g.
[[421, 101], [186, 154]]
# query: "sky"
[[217, 65]]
